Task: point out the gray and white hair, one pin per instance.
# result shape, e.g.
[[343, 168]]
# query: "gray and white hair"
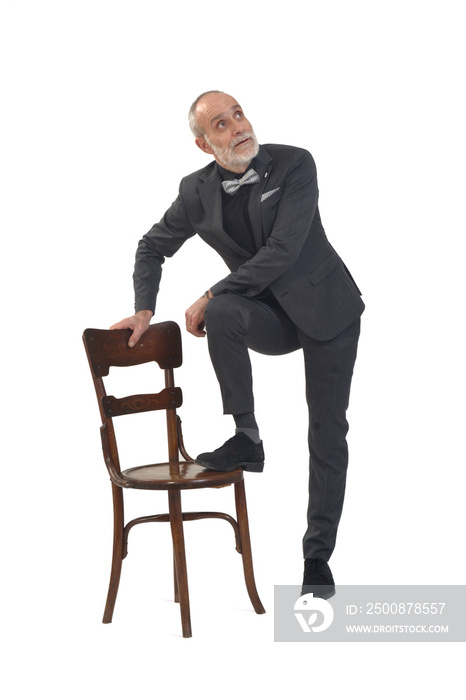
[[192, 116]]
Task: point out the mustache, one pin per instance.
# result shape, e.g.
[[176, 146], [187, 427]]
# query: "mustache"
[[242, 137]]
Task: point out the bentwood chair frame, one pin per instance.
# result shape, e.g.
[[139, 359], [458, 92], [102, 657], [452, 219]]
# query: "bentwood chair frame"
[[161, 343]]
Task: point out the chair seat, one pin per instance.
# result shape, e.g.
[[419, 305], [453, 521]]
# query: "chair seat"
[[178, 475]]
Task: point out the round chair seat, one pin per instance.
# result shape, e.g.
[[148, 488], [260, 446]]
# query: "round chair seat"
[[178, 475]]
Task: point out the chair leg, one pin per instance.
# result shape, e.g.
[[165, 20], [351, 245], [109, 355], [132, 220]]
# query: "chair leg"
[[176, 524], [176, 596], [117, 559], [242, 515]]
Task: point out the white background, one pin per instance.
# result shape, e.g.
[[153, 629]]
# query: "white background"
[[94, 143]]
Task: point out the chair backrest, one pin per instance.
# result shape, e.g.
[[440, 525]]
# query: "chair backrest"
[[161, 343]]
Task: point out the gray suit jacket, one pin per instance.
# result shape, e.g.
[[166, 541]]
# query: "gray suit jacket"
[[294, 258]]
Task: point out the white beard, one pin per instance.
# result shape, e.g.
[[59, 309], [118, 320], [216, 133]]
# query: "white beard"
[[229, 157]]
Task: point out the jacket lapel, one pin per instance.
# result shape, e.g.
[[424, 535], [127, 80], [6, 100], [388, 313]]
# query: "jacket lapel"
[[263, 167], [210, 191]]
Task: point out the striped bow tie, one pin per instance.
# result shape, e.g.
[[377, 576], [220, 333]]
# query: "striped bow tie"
[[232, 186]]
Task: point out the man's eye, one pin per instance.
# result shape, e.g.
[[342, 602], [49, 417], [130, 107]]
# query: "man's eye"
[[239, 115], [220, 125]]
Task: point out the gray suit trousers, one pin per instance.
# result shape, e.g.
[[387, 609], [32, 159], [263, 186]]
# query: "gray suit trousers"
[[235, 324]]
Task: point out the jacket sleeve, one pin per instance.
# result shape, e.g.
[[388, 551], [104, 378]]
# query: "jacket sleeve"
[[163, 240], [291, 227]]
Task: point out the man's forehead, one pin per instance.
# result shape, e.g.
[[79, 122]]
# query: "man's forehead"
[[216, 105]]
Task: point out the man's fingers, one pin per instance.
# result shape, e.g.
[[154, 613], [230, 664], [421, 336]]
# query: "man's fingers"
[[195, 318], [195, 327], [197, 332], [135, 323], [120, 325], [134, 338]]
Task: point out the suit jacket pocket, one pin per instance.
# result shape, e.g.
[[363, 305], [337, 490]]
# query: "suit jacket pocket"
[[271, 197], [270, 193], [325, 267]]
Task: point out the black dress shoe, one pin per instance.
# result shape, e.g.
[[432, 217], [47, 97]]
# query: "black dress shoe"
[[318, 579], [238, 451]]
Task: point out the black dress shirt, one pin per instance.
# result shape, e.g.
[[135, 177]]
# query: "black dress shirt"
[[236, 221], [237, 224]]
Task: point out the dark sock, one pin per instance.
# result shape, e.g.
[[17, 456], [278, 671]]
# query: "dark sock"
[[246, 423]]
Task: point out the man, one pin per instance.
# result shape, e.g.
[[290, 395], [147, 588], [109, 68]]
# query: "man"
[[287, 289]]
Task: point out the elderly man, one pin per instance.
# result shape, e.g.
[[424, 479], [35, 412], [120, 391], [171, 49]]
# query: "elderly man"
[[257, 206]]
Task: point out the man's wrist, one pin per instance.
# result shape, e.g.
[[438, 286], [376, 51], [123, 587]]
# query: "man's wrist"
[[145, 313], [208, 294]]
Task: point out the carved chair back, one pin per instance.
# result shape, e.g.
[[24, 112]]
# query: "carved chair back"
[[161, 343]]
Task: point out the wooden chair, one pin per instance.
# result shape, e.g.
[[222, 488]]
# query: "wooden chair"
[[162, 344]]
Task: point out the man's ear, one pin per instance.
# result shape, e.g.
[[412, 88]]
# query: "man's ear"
[[203, 145]]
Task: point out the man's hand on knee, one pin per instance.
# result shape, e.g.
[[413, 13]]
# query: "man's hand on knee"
[[195, 315], [139, 323]]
